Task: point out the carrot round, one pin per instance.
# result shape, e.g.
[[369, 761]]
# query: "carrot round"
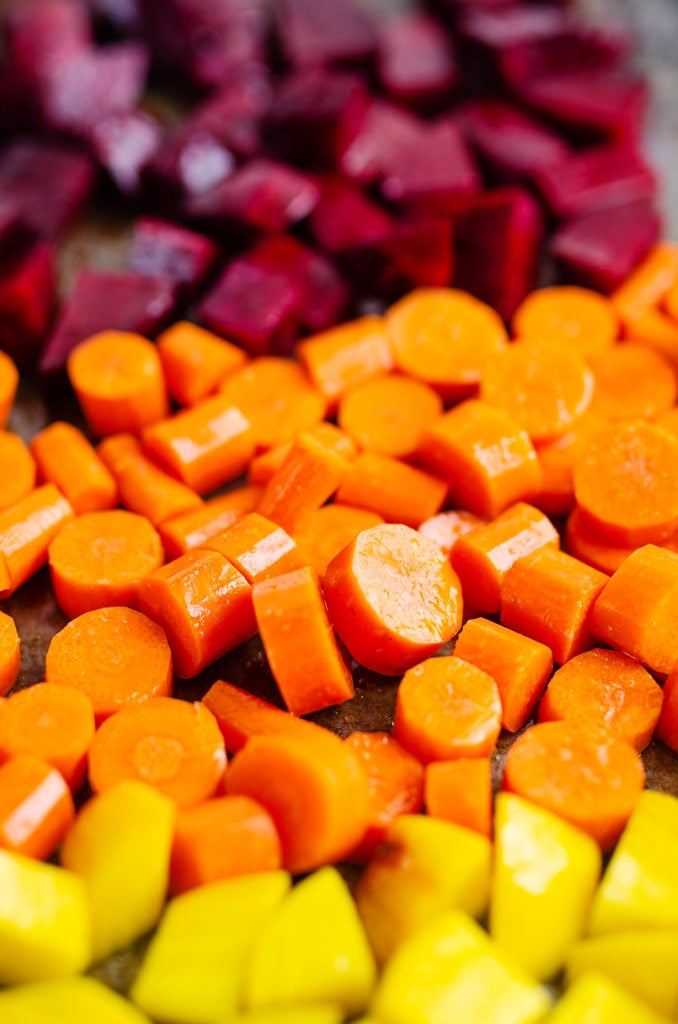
[[9, 382], [647, 286], [223, 837], [264, 466], [52, 722], [605, 688], [310, 474], [445, 528], [98, 560], [118, 379], [445, 338], [387, 415], [116, 656], [36, 807], [170, 744], [447, 708], [315, 790], [557, 460], [66, 458], [276, 397], [632, 381], [590, 546], [626, 483], [257, 548], [190, 529], [576, 318], [461, 792], [195, 361], [343, 357], [393, 598], [325, 531], [17, 469], [242, 715], [667, 727], [10, 653], [394, 490], [26, 531], [582, 773]]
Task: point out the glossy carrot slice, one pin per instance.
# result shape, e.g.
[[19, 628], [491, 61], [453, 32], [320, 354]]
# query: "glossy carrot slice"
[[17, 469], [257, 548], [263, 467], [65, 457], [632, 381], [26, 531], [667, 727], [460, 791], [310, 475], [388, 415], [190, 529], [143, 486], [557, 460], [592, 547], [195, 361], [10, 653], [36, 807], [445, 528], [241, 715], [576, 318], [325, 531], [9, 382], [345, 356], [397, 492]]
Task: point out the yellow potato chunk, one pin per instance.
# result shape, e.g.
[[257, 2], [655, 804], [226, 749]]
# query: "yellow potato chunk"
[[594, 999], [68, 1001], [317, 1014]]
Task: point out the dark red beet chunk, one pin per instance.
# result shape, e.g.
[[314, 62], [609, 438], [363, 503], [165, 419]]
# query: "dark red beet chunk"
[[167, 250], [496, 245], [599, 250], [99, 300], [416, 63], [365, 159], [597, 102], [123, 16], [254, 306], [234, 114], [600, 177], [123, 144], [509, 144], [345, 220], [41, 32], [313, 33], [47, 183], [27, 298], [417, 253]]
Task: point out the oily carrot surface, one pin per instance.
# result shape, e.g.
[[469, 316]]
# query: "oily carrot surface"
[[396, 784], [172, 745], [190, 529], [632, 381], [9, 382], [606, 688], [669, 420], [460, 791], [17, 469], [263, 467], [447, 708], [118, 380], [325, 531], [26, 531], [582, 773], [445, 528], [314, 788], [223, 837], [116, 656], [591, 546], [302, 651], [388, 415], [257, 547], [482, 557], [10, 653], [343, 357], [393, 598], [670, 301], [645, 288], [65, 457], [519, 666], [557, 460], [242, 715], [52, 722], [143, 486], [99, 559], [445, 338], [578, 319], [486, 457], [399, 493], [36, 807], [195, 361], [667, 727]]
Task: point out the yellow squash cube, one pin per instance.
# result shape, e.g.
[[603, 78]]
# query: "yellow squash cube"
[[318, 1014], [594, 999], [70, 1001]]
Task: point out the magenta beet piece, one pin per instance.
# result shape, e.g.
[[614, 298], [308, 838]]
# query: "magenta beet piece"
[[313, 33], [27, 298], [509, 144], [233, 115], [316, 114], [601, 249], [123, 144], [365, 159], [167, 250], [255, 306], [597, 102], [47, 183], [416, 254], [599, 177], [101, 300], [345, 220], [415, 62], [579, 47], [496, 248], [41, 32], [123, 16]]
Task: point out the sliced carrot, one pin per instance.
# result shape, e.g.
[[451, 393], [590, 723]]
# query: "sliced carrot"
[[242, 715], [99, 559], [488, 460], [325, 531], [558, 459], [549, 596], [647, 285], [591, 546], [118, 379], [10, 653], [195, 361], [26, 531], [310, 475], [461, 791], [223, 837], [576, 318], [582, 773], [257, 548], [396, 785], [667, 728], [669, 420], [52, 722], [447, 708], [277, 398], [519, 666], [170, 744], [203, 604], [66, 458], [482, 557], [190, 529], [445, 338], [344, 356], [143, 486], [655, 329], [315, 790], [638, 609], [445, 528], [205, 446], [393, 598], [626, 484], [116, 656], [388, 415], [36, 807], [9, 382], [301, 648], [542, 385], [605, 688], [632, 381], [670, 301], [117, 450], [263, 467], [397, 492], [17, 469]]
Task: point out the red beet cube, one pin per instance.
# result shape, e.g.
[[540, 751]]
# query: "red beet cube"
[[234, 114], [313, 33], [600, 249], [345, 220], [123, 144], [509, 144], [595, 102], [365, 159], [166, 250], [47, 183], [123, 16], [41, 33], [599, 177], [416, 254], [27, 298], [416, 63]]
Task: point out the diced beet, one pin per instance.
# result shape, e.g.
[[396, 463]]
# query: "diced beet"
[[40, 33], [316, 114], [48, 183], [601, 249], [123, 144], [345, 220], [416, 254], [255, 306], [19, 102], [599, 177], [416, 63], [13, 234], [598, 102], [166, 250], [579, 47], [101, 300], [509, 144], [365, 159], [27, 298], [313, 33], [496, 247], [123, 16], [234, 113]]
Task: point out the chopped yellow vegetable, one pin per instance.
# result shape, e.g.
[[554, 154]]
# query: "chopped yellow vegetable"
[[318, 1014], [594, 999], [68, 1001]]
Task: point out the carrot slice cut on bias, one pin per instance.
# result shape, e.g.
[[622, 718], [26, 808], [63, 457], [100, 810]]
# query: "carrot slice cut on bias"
[[647, 285], [388, 415], [345, 356], [257, 548], [241, 715], [461, 791], [144, 487], [36, 807], [10, 653], [190, 529], [17, 469], [584, 774], [591, 546], [397, 492], [632, 381], [66, 458], [325, 531], [26, 531], [576, 318], [445, 528], [195, 361]]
